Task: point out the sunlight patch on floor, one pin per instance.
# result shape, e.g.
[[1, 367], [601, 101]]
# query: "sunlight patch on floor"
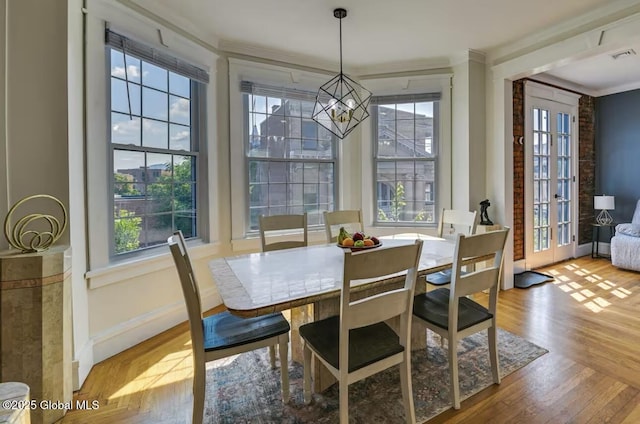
[[590, 289], [587, 293], [172, 368]]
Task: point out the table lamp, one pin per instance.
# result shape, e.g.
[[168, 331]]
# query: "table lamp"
[[604, 204]]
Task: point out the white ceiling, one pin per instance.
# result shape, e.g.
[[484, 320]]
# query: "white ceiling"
[[379, 33]]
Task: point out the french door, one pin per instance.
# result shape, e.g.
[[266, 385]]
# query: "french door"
[[550, 175]]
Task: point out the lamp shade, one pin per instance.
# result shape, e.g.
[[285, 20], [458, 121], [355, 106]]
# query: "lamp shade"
[[604, 202]]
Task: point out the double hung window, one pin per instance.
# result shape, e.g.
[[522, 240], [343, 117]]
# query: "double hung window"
[[406, 130], [156, 122], [291, 160]]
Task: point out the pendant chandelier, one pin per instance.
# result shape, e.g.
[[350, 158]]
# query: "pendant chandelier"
[[341, 103]]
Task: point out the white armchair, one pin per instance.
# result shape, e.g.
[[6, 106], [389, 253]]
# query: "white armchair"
[[625, 245]]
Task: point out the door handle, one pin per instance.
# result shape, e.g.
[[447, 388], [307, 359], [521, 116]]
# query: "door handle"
[[557, 196]]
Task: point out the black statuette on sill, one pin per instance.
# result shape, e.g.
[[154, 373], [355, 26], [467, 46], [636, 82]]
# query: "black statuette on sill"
[[484, 217]]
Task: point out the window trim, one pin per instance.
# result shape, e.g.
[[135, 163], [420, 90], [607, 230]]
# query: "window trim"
[[401, 86], [386, 100], [197, 120], [268, 75], [99, 167], [248, 88]]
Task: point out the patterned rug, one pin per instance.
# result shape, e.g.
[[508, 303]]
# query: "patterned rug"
[[244, 389]]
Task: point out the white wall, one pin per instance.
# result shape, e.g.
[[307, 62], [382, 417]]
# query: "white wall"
[[34, 132], [468, 127]]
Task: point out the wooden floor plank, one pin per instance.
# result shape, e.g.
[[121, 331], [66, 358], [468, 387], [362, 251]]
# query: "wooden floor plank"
[[588, 320]]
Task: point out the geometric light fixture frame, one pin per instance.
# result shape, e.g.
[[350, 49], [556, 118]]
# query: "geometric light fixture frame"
[[341, 103]]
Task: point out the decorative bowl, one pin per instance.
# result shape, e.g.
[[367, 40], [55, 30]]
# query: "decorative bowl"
[[355, 249]]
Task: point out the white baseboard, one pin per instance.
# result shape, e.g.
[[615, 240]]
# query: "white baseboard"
[[82, 364], [128, 334], [585, 249]]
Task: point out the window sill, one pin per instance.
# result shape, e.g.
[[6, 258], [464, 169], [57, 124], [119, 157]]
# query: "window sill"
[[122, 271]]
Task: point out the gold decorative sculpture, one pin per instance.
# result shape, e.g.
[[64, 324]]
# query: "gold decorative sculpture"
[[28, 239]]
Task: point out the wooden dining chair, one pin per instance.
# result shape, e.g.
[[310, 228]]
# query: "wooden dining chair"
[[358, 343], [451, 223], [269, 224], [350, 219], [222, 335], [451, 314]]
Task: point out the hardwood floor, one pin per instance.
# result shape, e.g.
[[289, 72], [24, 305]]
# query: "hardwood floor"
[[588, 319]]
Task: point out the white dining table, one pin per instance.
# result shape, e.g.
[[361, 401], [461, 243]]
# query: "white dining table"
[[307, 281]]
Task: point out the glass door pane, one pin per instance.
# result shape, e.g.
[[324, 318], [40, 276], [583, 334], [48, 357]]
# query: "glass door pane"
[[541, 179]]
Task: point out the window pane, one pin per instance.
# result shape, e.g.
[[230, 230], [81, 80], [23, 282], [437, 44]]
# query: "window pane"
[[179, 110], [132, 73], [125, 130], [154, 104], [155, 134], [154, 76], [277, 172], [296, 156], [154, 191], [120, 99], [179, 85], [130, 165], [180, 137], [405, 186]]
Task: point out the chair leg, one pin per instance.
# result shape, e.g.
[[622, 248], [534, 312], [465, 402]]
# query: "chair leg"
[[283, 349], [493, 353], [453, 372], [199, 382], [407, 390], [307, 374], [272, 356], [344, 401]]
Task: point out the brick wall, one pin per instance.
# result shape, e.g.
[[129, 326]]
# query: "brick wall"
[[586, 173], [518, 170], [586, 167]]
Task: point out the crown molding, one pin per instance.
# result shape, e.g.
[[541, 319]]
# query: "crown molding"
[[596, 18], [170, 20], [618, 89], [420, 66], [468, 56], [232, 47]]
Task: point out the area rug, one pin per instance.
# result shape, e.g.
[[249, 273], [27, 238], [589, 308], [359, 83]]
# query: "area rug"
[[244, 389], [526, 279]]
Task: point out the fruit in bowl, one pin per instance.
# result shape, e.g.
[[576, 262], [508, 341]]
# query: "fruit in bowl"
[[357, 240]]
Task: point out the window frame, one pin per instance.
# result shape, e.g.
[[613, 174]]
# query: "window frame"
[[197, 127], [248, 158], [398, 86], [433, 157], [269, 75], [99, 162]]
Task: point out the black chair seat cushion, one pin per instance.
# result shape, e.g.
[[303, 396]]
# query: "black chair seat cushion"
[[225, 330], [433, 307], [366, 344], [440, 278]]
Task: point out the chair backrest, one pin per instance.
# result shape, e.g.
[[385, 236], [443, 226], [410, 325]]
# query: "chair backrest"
[[454, 222], [476, 248], [350, 219], [282, 222], [379, 307], [190, 290]]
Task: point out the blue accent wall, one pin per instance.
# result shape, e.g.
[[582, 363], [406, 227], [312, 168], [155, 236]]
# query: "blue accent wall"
[[618, 151]]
